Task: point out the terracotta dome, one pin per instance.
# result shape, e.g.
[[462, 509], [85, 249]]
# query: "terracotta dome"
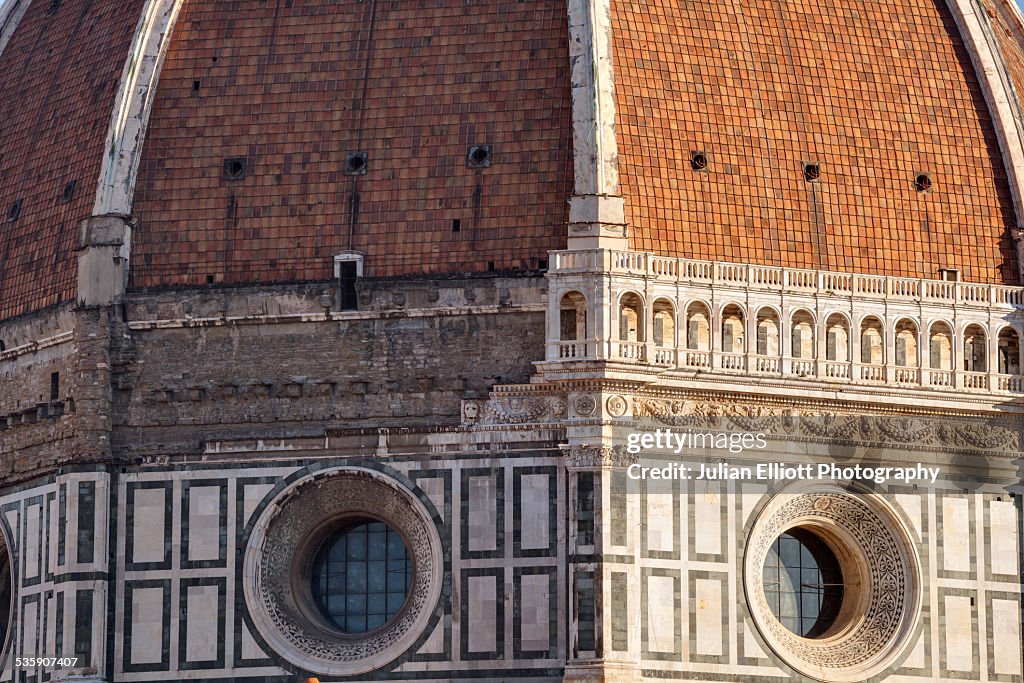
[[873, 94], [241, 172]]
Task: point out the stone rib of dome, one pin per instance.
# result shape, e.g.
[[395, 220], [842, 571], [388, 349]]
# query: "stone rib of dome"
[[876, 93], [297, 89], [59, 75]]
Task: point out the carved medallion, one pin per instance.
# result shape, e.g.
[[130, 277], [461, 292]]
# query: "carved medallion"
[[585, 405], [617, 406]]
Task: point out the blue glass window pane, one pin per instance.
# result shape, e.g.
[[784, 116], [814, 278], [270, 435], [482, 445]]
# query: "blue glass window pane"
[[355, 582], [356, 624], [357, 545], [375, 603], [803, 583], [377, 549], [394, 602], [360, 577], [396, 547], [378, 578]]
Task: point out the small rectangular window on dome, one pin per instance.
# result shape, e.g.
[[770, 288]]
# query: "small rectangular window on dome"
[[348, 268]]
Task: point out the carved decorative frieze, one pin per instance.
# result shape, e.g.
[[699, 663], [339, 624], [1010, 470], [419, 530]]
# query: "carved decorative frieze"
[[960, 433], [588, 457], [514, 410]]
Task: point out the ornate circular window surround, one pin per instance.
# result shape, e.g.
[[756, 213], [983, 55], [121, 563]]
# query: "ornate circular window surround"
[[881, 577], [8, 597], [278, 558]]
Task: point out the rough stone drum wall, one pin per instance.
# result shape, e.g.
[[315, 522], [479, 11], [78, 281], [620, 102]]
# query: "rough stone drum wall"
[[875, 92], [397, 368], [296, 87]]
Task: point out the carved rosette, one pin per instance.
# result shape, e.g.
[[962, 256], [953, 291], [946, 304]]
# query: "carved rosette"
[[278, 552], [880, 570]]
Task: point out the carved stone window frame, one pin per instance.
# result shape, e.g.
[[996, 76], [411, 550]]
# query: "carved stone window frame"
[[8, 566], [276, 559], [881, 576]]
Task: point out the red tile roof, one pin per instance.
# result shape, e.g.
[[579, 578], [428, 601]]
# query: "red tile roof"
[[876, 92], [58, 78], [295, 88]]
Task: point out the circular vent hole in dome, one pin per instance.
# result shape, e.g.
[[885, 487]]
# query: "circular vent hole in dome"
[[355, 163], [923, 182], [234, 168], [698, 161], [812, 172], [479, 156]]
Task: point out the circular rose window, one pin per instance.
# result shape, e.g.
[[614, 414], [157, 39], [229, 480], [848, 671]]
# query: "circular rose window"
[[344, 571], [832, 582], [6, 595], [803, 583]]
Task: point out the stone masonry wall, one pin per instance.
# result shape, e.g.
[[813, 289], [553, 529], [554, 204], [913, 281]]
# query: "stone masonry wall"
[[271, 363], [54, 391]]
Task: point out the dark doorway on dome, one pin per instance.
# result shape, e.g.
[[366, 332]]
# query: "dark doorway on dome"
[[347, 275], [68, 193]]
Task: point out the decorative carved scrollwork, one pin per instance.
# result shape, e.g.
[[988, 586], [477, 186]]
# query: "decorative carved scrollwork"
[[587, 457], [514, 410]]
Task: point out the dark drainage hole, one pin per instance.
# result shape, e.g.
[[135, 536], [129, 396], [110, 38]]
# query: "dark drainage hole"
[[812, 172], [355, 163], [698, 161], [923, 182], [68, 193], [235, 167], [479, 156], [14, 211]]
